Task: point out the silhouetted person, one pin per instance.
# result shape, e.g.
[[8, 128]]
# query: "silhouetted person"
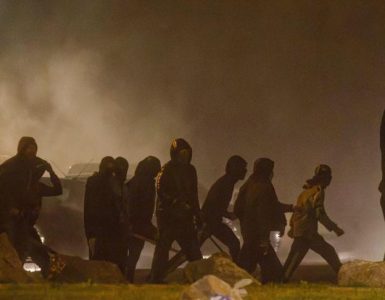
[[121, 193], [177, 207], [382, 144], [304, 224], [21, 193], [215, 208], [217, 202], [141, 197], [260, 212], [103, 215]]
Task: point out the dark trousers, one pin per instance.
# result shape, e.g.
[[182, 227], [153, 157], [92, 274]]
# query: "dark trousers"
[[219, 230], [111, 249], [255, 251], [135, 247], [223, 233], [184, 234], [301, 246], [26, 242]]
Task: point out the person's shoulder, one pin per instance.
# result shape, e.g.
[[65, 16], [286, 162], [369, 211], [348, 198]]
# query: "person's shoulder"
[[93, 178]]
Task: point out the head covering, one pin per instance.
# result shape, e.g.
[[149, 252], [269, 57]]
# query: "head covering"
[[177, 146], [263, 168], [321, 173], [121, 162], [24, 143], [235, 165], [148, 167], [104, 165]]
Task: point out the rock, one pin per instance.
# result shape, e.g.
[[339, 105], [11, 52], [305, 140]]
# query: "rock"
[[78, 270], [210, 287], [11, 267], [362, 273], [218, 264]]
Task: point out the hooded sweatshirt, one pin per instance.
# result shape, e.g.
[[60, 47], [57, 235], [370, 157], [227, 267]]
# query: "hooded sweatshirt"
[[177, 186]]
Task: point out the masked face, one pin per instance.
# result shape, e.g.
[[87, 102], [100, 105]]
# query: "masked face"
[[121, 172], [30, 152], [326, 181], [184, 156]]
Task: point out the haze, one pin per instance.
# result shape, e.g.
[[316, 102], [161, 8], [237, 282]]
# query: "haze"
[[301, 82]]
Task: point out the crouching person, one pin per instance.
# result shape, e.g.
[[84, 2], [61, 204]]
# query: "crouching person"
[[304, 224]]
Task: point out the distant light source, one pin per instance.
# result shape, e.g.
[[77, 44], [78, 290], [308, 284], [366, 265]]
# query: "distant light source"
[[275, 240], [30, 266]]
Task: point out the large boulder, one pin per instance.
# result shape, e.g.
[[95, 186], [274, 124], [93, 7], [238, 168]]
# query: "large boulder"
[[219, 265], [79, 270], [362, 273], [11, 267]]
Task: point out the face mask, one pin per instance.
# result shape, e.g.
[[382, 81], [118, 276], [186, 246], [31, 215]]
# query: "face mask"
[[184, 156]]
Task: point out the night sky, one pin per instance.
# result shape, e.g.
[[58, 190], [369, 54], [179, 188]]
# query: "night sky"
[[301, 82]]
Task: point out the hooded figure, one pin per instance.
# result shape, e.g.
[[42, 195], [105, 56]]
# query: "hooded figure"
[[382, 144], [177, 208], [102, 215], [304, 224], [215, 208], [260, 212], [217, 201], [141, 203], [21, 195]]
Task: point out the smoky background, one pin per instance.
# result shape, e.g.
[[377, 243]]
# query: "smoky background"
[[301, 82]]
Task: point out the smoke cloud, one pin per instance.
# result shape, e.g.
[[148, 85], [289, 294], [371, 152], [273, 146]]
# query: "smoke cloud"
[[300, 82]]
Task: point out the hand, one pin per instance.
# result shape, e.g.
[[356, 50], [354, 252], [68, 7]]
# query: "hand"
[[338, 231], [91, 245]]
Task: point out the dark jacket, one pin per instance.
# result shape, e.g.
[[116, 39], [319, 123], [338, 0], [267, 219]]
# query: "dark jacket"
[[382, 143], [177, 189], [259, 209], [18, 177], [102, 214], [304, 221], [218, 200], [38, 191], [141, 197]]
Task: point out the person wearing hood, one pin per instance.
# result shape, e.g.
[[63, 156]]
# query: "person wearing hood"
[[217, 201], [260, 212], [21, 196], [178, 212], [304, 224], [382, 146], [102, 215], [141, 203]]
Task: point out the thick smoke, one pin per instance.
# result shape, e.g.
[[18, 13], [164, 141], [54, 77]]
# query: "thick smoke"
[[300, 82]]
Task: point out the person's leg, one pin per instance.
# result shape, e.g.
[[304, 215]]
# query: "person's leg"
[[187, 239], [327, 251], [135, 247], [248, 255], [223, 233], [298, 250], [271, 267], [159, 262]]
